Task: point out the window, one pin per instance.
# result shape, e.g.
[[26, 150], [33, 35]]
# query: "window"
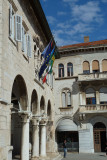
[[104, 65], [90, 96], [69, 69], [95, 66], [66, 98], [24, 40], [61, 70], [17, 31], [11, 23], [103, 95], [86, 67]]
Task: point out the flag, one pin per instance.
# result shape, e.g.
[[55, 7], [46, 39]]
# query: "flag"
[[51, 63], [45, 64], [47, 50], [44, 79]]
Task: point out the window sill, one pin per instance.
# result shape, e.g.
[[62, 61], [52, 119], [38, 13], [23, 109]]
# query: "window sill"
[[25, 56], [65, 108], [12, 40], [63, 78]]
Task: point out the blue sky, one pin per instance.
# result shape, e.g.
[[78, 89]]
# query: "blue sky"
[[71, 20]]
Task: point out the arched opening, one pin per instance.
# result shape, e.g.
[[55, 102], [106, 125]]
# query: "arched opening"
[[34, 102], [19, 101], [61, 70], [104, 65], [95, 66], [99, 137], [69, 69], [42, 105], [67, 129], [49, 112], [90, 96], [86, 67]]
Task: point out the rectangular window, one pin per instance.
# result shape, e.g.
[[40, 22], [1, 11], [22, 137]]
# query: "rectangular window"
[[91, 100], [69, 99], [29, 51], [24, 40], [11, 23], [18, 24], [86, 71], [63, 99]]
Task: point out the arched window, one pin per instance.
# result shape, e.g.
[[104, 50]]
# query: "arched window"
[[95, 66], [69, 69], [66, 98], [61, 70], [103, 95], [104, 65], [90, 96], [86, 67]]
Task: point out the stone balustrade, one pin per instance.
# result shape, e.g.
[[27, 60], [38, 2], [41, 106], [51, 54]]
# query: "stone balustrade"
[[93, 107], [92, 76]]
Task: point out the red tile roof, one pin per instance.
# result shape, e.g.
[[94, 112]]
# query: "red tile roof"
[[88, 44]]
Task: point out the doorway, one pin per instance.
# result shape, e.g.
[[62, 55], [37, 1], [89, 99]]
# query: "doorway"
[[99, 137], [71, 138]]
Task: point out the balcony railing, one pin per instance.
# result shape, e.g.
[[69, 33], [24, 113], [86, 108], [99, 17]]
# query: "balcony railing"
[[92, 76], [93, 107]]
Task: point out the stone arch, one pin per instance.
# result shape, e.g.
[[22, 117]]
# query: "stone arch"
[[98, 119], [49, 110], [34, 102], [19, 93], [42, 105]]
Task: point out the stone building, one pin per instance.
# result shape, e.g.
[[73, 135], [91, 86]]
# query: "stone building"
[[26, 105], [34, 117], [80, 91]]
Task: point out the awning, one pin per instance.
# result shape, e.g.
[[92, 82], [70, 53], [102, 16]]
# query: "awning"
[[66, 125]]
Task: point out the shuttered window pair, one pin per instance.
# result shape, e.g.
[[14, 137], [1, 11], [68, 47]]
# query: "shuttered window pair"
[[17, 32], [66, 99]]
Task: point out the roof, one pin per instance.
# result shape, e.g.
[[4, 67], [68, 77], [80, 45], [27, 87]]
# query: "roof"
[[36, 5], [88, 44]]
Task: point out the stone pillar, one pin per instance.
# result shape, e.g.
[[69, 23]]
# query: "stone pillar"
[[35, 138], [25, 137], [97, 97], [83, 98], [43, 138], [80, 98]]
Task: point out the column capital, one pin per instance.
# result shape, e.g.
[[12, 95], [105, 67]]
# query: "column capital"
[[36, 120], [43, 121], [25, 116]]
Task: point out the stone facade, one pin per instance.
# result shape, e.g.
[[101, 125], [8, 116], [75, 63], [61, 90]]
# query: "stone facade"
[[24, 101], [81, 113]]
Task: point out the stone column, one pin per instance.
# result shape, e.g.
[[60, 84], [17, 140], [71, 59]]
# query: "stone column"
[[43, 138], [25, 137], [80, 94], [97, 97], [35, 138]]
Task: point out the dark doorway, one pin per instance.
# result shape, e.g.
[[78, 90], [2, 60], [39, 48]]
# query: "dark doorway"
[[71, 138], [99, 137]]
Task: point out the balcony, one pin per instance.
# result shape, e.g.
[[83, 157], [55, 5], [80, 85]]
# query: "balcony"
[[93, 108], [92, 76]]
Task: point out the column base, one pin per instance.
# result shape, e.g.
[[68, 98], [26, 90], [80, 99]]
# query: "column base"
[[35, 158]]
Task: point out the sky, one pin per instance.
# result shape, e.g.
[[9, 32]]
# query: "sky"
[[71, 20]]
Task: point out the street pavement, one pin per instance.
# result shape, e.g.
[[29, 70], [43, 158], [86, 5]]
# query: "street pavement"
[[81, 156]]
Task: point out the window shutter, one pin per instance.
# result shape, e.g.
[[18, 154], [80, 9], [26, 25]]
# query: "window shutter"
[[29, 46], [23, 40], [18, 23], [10, 20], [69, 98], [63, 99]]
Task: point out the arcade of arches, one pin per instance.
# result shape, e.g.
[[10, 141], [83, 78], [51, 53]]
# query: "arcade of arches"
[[28, 127]]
